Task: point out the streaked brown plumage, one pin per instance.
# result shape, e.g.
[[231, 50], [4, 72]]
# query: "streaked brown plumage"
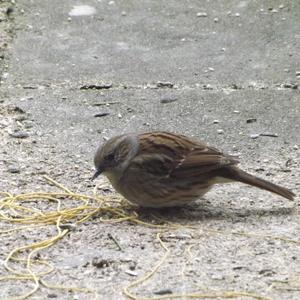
[[162, 169]]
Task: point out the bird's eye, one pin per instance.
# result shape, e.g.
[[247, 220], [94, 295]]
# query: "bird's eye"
[[110, 156]]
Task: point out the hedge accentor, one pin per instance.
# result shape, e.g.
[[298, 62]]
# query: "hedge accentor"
[[161, 169]]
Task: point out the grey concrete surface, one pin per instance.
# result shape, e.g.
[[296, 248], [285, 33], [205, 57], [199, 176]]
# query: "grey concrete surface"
[[237, 63]]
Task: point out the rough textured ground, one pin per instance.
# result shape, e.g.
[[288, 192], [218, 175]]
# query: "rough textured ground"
[[225, 78]]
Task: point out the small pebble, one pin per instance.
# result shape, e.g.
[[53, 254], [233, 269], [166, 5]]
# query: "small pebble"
[[216, 20], [19, 134], [269, 134], [13, 169], [290, 86], [168, 100], [297, 73], [254, 136], [20, 118], [201, 14], [163, 292], [237, 14], [267, 272], [98, 86], [236, 111], [67, 226], [165, 84], [27, 124], [207, 87], [251, 120], [100, 262], [220, 131], [9, 10], [216, 121], [281, 6], [131, 273], [234, 86], [132, 266], [287, 85], [101, 115], [123, 13], [295, 147], [217, 277], [119, 116]]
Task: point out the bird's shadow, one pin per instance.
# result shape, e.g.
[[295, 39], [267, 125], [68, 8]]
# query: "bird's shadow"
[[205, 211]]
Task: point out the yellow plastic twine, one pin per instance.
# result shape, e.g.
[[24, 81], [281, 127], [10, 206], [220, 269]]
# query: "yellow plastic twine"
[[25, 265], [13, 211], [194, 295]]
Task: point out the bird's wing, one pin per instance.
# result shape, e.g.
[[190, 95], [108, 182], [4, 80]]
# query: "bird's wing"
[[194, 164], [156, 165], [166, 154], [201, 161]]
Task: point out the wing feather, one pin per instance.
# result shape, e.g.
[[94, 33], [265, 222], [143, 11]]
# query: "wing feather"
[[175, 156]]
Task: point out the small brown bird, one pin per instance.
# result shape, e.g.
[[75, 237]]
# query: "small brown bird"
[[161, 169]]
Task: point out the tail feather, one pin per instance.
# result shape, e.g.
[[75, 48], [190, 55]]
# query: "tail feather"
[[237, 174]]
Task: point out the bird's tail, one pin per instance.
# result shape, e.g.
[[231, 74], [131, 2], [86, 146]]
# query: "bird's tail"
[[234, 173]]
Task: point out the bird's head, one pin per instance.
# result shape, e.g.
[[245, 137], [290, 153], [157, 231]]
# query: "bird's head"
[[113, 157]]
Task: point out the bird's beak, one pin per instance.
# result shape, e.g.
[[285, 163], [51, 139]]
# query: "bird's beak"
[[97, 173]]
